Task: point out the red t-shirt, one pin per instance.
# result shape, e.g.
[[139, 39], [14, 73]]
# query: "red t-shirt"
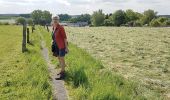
[[60, 35]]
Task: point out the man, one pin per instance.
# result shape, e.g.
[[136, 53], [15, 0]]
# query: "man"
[[59, 45]]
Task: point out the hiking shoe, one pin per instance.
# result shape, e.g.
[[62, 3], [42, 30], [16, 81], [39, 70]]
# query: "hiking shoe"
[[61, 72], [62, 76]]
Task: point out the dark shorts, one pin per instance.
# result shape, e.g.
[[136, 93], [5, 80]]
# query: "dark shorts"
[[58, 52]]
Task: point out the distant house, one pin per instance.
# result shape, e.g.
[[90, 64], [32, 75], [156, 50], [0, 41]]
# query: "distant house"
[[63, 24], [78, 24]]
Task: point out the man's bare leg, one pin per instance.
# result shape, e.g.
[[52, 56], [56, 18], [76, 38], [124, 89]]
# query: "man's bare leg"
[[62, 63]]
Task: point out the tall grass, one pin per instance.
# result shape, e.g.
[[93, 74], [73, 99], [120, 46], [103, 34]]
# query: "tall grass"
[[23, 76], [87, 79]]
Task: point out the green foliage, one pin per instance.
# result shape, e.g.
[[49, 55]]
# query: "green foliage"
[[47, 16], [97, 18], [148, 16], [4, 23], [41, 17], [167, 22], [81, 18], [131, 15], [155, 23], [108, 22], [30, 21], [106, 16], [161, 21], [137, 23], [119, 17], [64, 17], [36, 16], [21, 20], [25, 15]]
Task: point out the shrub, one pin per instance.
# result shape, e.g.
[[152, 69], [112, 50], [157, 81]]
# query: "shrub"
[[155, 23], [137, 23], [4, 23], [108, 22], [167, 23]]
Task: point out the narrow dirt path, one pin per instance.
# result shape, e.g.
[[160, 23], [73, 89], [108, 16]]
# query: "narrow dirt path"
[[59, 91]]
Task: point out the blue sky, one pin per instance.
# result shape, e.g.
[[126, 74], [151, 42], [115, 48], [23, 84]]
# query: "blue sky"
[[83, 6]]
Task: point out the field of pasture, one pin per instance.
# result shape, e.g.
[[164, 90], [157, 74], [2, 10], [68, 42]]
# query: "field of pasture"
[[104, 63], [138, 54], [23, 76]]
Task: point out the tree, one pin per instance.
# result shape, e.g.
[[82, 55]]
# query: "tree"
[[30, 22], [46, 17], [81, 18], [119, 17], [85, 18], [108, 22], [25, 15], [107, 16], [131, 15], [37, 16], [97, 18], [41, 17], [20, 20], [148, 16], [167, 23], [64, 17]]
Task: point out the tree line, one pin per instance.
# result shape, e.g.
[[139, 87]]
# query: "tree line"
[[129, 18], [120, 18], [36, 17], [98, 18]]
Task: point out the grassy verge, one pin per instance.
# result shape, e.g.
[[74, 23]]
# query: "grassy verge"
[[22, 75], [87, 79]]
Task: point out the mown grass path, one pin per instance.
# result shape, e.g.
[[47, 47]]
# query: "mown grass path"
[[59, 91]]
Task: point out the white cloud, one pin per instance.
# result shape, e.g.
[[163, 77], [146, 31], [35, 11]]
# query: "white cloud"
[[65, 2], [83, 6]]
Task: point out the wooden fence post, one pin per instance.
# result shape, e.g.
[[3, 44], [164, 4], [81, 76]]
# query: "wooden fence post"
[[47, 28], [28, 33], [24, 38], [32, 29]]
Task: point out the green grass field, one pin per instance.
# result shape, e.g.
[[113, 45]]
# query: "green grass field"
[[111, 64], [138, 54], [88, 79], [22, 76]]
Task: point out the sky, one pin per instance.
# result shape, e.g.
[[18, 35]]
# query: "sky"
[[76, 7]]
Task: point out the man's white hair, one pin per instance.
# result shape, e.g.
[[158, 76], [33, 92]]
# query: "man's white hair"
[[56, 17]]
